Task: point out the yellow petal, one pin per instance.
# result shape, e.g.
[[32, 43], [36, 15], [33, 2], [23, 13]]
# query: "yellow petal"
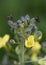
[[31, 37], [29, 43], [4, 40], [0, 39], [36, 47]]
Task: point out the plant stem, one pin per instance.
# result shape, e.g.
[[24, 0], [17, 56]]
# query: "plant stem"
[[22, 48], [22, 55]]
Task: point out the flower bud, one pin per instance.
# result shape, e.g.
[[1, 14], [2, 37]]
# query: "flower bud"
[[27, 17], [12, 41]]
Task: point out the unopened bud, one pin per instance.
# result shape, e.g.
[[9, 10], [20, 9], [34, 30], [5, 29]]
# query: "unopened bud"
[[12, 41]]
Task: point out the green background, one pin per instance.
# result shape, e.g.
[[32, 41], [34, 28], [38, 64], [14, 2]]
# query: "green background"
[[19, 8]]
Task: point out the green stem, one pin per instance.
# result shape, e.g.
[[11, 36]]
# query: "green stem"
[[22, 53], [22, 49]]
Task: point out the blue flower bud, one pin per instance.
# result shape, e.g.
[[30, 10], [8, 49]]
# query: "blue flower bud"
[[21, 25], [19, 21], [35, 27], [15, 25], [27, 17], [28, 30], [23, 19], [33, 20], [10, 23], [31, 26]]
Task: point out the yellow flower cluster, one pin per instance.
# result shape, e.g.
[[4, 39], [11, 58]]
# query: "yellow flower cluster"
[[30, 42], [4, 40]]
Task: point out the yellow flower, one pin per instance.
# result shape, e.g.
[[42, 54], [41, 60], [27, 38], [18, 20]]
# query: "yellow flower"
[[4, 40], [36, 47], [29, 42], [34, 57]]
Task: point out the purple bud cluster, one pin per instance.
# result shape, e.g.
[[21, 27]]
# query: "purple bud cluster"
[[24, 22]]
